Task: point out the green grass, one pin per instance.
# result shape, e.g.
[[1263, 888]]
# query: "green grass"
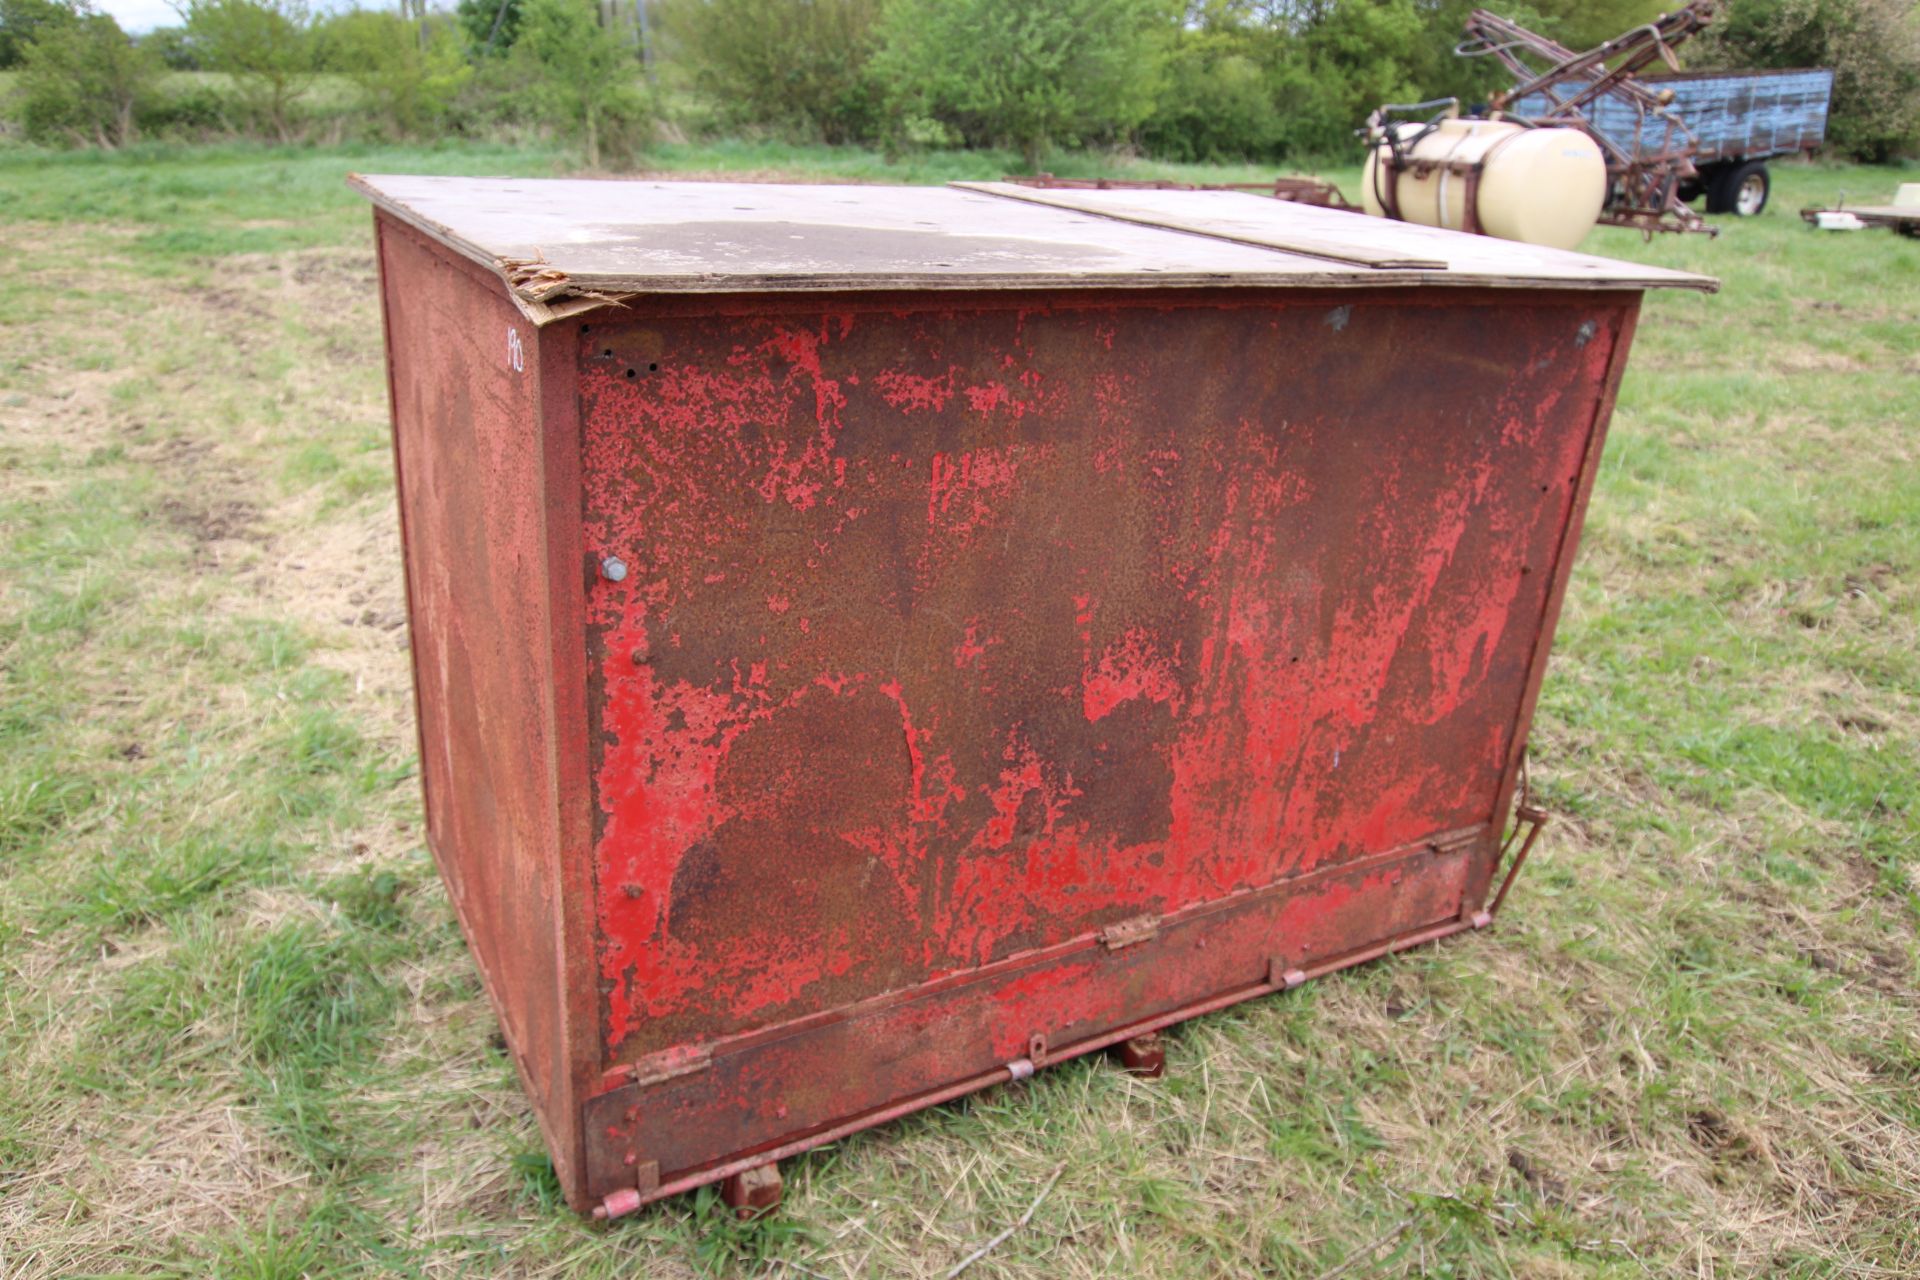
[[247, 198], [240, 1035]]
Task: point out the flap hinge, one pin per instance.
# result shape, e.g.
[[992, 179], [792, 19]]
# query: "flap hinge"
[[622, 1201], [671, 1064], [1453, 841], [1282, 976], [1128, 932]]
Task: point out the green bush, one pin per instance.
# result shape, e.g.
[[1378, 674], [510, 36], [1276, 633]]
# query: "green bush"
[[1873, 47], [803, 68], [491, 26], [187, 106], [1243, 84], [83, 80], [494, 101], [410, 74], [580, 78], [1261, 81], [1352, 60], [173, 45], [21, 20], [1028, 74], [1218, 103], [1582, 24], [266, 47]]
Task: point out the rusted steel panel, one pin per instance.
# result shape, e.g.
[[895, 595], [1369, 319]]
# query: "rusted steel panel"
[[797, 1081], [833, 704], [465, 389], [950, 634]]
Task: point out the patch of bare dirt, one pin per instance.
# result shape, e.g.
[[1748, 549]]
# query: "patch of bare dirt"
[[1804, 361]]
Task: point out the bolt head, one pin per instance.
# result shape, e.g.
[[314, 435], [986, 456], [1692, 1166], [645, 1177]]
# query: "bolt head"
[[613, 569]]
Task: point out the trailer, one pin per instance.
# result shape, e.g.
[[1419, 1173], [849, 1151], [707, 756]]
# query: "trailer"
[[1739, 120], [1902, 216]]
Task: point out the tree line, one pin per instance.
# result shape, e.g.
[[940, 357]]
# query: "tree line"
[[1257, 80]]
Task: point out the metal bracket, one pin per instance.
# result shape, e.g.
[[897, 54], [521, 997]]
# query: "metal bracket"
[[646, 1180], [1128, 932], [670, 1064], [1282, 977], [1533, 819], [617, 1204], [1023, 1068], [1455, 841]]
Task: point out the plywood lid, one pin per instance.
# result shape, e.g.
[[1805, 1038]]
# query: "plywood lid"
[[565, 244]]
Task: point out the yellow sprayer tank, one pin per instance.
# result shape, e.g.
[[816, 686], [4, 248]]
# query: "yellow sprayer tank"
[[1538, 185]]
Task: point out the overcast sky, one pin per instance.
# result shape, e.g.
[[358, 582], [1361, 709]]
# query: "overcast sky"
[[135, 16], [139, 15]]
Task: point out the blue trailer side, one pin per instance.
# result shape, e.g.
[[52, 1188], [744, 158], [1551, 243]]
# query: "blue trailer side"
[[1739, 120]]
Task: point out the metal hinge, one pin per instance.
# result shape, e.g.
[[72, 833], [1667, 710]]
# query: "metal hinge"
[[1282, 976], [1452, 841], [670, 1064], [619, 1203], [1128, 932]]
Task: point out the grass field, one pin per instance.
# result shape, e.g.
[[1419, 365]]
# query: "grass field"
[[240, 1035]]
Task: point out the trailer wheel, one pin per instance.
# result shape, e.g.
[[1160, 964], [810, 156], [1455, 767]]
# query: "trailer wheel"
[[1741, 190]]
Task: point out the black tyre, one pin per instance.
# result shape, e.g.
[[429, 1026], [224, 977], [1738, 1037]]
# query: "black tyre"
[[1740, 190]]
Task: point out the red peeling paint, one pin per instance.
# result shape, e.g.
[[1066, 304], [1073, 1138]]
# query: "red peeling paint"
[[913, 393], [1131, 667], [971, 647], [962, 490], [1290, 635]]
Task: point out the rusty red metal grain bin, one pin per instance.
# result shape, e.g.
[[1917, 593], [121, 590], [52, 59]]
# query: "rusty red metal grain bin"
[[870, 643]]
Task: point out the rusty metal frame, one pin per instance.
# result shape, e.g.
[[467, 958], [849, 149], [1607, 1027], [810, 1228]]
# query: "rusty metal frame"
[[581, 1111], [618, 1203], [621, 1090], [612, 1112]]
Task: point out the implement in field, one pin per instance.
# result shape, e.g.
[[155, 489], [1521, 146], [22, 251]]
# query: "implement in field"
[[1585, 137], [1903, 215], [1650, 150]]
